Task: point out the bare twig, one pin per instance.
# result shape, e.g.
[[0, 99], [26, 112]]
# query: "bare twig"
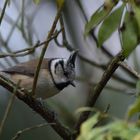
[[132, 72], [7, 48], [63, 34], [27, 51], [3, 10], [107, 108], [14, 26], [9, 106], [45, 48], [17, 135], [39, 108], [10, 21], [23, 32]]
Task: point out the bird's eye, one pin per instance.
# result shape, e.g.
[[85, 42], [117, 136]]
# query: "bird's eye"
[[66, 73]]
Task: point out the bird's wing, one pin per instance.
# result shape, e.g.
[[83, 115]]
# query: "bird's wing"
[[27, 68]]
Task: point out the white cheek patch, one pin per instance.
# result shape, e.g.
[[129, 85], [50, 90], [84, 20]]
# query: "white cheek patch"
[[57, 78]]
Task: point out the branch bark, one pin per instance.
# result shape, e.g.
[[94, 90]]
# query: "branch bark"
[[38, 107], [113, 65]]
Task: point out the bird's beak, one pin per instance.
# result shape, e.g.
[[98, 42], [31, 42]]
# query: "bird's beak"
[[72, 83], [72, 58]]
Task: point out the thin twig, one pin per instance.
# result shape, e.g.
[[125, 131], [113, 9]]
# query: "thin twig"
[[14, 26], [113, 65], [7, 48], [19, 133], [132, 72], [63, 34], [10, 21], [107, 109], [27, 51], [45, 48], [8, 108], [22, 16], [23, 32], [3, 10], [63, 31]]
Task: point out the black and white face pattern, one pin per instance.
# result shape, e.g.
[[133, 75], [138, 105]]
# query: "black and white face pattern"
[[62, 73]]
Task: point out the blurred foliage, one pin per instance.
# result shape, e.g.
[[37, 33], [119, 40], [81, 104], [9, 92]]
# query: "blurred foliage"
[[116, 130], [60, 3], [36, 1], [135, 108]]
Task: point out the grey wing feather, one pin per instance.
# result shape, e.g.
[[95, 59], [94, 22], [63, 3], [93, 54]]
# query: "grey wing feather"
[[27, 68], [20, 70]]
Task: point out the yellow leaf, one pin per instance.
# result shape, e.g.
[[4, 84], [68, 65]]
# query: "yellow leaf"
[[137, 137], [36, 1], [133, 109]]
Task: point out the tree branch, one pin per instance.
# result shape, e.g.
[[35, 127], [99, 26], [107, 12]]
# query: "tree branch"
[[113, 65], [38, 107]]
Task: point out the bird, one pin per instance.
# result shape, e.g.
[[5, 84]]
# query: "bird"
[[55, 75]]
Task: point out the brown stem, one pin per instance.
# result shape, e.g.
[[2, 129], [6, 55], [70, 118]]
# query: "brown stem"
[[113, 65]]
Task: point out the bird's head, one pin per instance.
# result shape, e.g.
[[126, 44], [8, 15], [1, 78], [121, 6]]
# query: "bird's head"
[[63, 71]]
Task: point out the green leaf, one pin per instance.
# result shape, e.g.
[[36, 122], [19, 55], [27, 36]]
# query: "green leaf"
[[96, 18], [87, 127], [133, 109], [83, 109], [109, 25], [138, 88], [100, 14], [117, 129], [129, 34], [136, 9], [36, 1], [60, 3]]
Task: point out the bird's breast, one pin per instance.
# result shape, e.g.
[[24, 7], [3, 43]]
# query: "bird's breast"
[[45, 87]]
